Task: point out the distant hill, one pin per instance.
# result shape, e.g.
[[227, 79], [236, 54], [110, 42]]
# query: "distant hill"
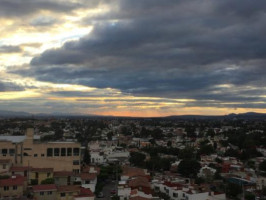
[[248, 115], [6, 113]]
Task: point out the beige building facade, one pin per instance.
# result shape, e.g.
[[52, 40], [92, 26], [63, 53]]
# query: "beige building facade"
[[25, 151]]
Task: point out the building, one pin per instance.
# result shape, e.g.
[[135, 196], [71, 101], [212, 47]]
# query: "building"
[[43, 192], [12, 187], [27, 151], [63, 178], [38, 175], [5, 165]]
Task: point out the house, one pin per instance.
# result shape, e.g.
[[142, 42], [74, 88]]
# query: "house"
[[63, 178], [141, 184], [139, 198], [85, 194], [12, 187], [67, 192], [89, 180], [182, 191], [134, 181], [129, 172], [206, 172], [38, 175], [97, 157], [43, 192], [5, 165]]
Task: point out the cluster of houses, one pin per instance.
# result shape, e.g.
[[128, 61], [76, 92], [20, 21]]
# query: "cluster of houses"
[[50, 170], [137, 183], [27, 166]]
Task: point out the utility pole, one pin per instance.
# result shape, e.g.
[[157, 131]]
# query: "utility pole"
[[116, 177], [243, 191]]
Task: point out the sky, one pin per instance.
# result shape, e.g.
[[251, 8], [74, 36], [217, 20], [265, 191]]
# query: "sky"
[[133, 57]]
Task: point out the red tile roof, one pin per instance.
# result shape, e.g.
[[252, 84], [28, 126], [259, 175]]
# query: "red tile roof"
[[42, 169], [85, 192], [139, 198], [49, 187], [68, 188], [19, 169], [14, 180], [94, 168], [139, 181], [87, 176], [170, 184], [133, 171]]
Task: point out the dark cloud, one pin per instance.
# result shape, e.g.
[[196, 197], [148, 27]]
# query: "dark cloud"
[[10, 49], [180, 49], [81, 94], [17, 8], [9, 86]]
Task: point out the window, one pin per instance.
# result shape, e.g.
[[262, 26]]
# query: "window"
[[6, 188], [87, 182], [49, 192], [56, 151], [11, 152], [76, 171], [175, 194], [62, 194], [41, 193], [15, 187], [69, 151], [27, 149], [76, 152], [36, 175], [49, 152], [157, 188], [63, 151], [4, 151], [35, 155], [42, 155], [48, 175], [75, 162]]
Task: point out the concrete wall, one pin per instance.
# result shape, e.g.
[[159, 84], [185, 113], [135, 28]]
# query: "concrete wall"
[[11, 192], [46, 195]]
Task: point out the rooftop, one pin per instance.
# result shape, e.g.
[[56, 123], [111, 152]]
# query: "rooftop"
[[49, 187], [14, 180]]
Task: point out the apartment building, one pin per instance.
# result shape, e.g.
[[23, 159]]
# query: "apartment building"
[[27, 151]]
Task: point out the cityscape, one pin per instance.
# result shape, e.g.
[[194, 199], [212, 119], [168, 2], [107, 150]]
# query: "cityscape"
[[176, 157], [132, 100]]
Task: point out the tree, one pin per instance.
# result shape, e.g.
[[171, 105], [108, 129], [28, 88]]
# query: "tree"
[[189, 168], [87, 157], [110, 135], [137, 159], [249, 196], [232, 190], [262, 166], [48, 181], [206, 149], [187, 153]]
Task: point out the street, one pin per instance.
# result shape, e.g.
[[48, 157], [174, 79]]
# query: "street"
[[110, 185]]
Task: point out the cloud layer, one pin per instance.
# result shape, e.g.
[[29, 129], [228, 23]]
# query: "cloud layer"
[[211, 51]]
